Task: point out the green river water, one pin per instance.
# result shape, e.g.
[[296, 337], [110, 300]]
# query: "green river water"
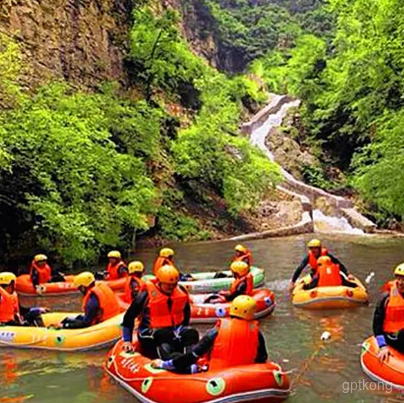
[[293, 335]]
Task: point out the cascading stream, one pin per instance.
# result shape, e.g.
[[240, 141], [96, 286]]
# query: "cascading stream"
[[322, 222]]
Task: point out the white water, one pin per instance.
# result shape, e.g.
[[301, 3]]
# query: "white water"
[[322, 222]]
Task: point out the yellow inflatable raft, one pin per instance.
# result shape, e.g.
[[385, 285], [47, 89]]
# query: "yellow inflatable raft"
[[93, 337], [329, 297]]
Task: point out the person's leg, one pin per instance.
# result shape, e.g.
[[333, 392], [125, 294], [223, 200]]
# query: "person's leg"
[[57, 278], [396, 341], [311, 285]]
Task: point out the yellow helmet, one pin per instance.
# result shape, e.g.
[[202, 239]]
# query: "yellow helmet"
[[324, 261], [114, 253], [241, 268], [168, 275], [6, 278], [243, 307], [314, 243], [166, 252], [399, 270], [240, 248], [86, 278], [40, 257], [135, 267]]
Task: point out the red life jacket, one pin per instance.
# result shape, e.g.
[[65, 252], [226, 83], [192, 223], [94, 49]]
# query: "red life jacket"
[[329, 276], [160, 262], [8, 305], [394, 318], [245, 257], [160, 314], [313, 260], [108, 303], [44, 273], [132, 286], [113, 271], [236, 343], [249, 282]]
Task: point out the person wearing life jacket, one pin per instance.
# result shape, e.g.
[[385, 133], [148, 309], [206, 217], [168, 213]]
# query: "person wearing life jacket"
[[388, 319], [11, 312], [164, 310], [134, 282], [242, 254], [116, 266], [99, 303], [315, 251], [243, 284], [328, 275], [41, 272], [233, 342], [166, 258]]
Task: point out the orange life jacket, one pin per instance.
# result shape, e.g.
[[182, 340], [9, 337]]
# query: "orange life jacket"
[[160, 262], [236, 343], [160, 314], [108, 303], [44, 273], [113, 271], [329, 276], [394, 318], [8, 305], [249, 282], [133, 284], [313, 260], [245, 257]]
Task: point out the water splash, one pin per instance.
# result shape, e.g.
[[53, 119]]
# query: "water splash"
[[325, 223]]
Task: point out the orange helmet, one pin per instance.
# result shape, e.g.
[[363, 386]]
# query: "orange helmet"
[[168, 275]]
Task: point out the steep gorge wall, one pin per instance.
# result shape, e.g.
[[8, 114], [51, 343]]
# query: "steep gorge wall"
[[81, 41]]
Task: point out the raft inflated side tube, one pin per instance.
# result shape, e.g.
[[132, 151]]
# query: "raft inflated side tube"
[[248, 383], [206, 283], [206, 313], [89, 338], [26, 288], [329, 297], [390, 372]]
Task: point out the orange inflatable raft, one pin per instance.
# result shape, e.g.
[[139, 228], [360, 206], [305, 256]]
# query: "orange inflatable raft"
[[249, 383], [207, 312], [332, 297], [390, 372], [26, 288]]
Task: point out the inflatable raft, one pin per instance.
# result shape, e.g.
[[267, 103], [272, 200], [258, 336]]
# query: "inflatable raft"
[[93, 337], [329, 297], [249, 383], [206, 283], [26, 288], [206, 312], [390, 372]]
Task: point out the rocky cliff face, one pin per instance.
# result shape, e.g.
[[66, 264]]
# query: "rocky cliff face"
[[81, 41]]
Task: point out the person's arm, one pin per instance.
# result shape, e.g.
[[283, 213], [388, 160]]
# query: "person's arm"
[[186, 360], [262, 355], [34, 277], [131, 314], [122, 270], [82, 321], [240, 290], [378, 320], [300, 268], [342, 268]]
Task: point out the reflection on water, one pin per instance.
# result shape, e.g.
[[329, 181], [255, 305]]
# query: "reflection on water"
[[319, 370]]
